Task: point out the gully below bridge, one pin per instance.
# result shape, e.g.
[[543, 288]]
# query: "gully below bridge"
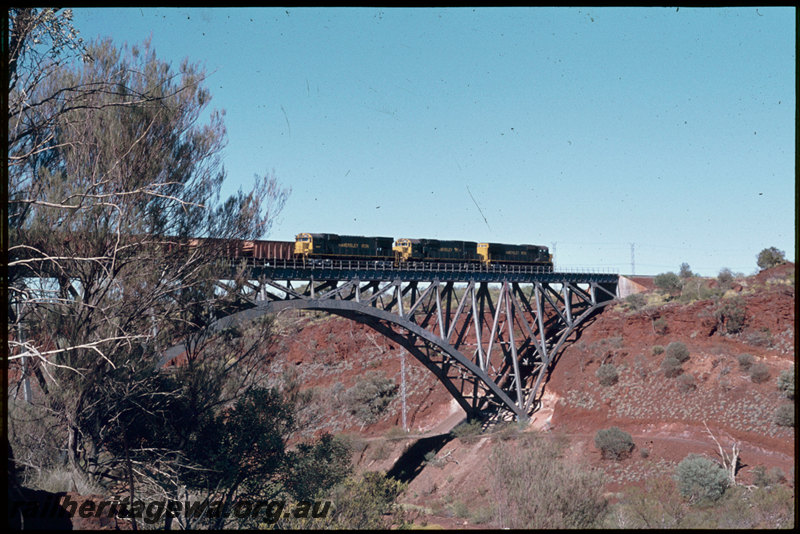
[[490, 334]]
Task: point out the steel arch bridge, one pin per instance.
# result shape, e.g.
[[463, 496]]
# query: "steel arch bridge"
[[489, 334]]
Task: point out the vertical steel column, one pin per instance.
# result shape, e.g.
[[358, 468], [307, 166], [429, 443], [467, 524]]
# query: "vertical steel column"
[[514, 361], [439, 316], [478, 320], [457, 315], [567, 302], [399, 293], [493, 332], [539, 308]]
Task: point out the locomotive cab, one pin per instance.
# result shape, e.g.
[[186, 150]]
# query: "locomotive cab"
[[483, 252], [303, 244], [402, 249]]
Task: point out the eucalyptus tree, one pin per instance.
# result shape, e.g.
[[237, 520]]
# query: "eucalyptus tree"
[[114, 165]]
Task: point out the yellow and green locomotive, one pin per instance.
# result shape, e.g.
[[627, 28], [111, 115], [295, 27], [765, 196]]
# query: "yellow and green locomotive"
[[343, 247], [406, 250]]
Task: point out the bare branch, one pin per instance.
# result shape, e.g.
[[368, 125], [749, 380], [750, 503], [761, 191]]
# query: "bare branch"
[[729, 462]]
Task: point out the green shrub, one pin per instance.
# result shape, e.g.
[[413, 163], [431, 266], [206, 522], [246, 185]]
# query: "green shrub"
[[367, 501], [764, 479], [396, 433], [668, 282], [659, 505], [370, 396], [614, 443], [671, 367], [510, 431], [687, 383], [786, 382], [431, 459], [725, 278], [759, 373], [534, 488], [607, 374], [759, 338], [678, 350], [468, 431], [700, 480], [784, 415], [770, 257], [635, 301], [658, 349], [315, 467], [660, 326], [730, 315], [745, 361], [698, 289], [640, 366]]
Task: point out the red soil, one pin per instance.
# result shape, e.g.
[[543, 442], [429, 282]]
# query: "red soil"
[[665, 422], [329, 355]]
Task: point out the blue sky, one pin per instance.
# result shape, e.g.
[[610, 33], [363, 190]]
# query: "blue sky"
[[593, 131]]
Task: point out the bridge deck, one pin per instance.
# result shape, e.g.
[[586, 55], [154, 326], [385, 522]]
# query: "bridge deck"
[[413, 272]]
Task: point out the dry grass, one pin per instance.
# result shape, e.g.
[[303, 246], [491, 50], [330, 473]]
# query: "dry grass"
[[654, 398]]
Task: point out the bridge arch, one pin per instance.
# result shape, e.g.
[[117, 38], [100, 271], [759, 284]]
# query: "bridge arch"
[[514, 324], [382, 321]]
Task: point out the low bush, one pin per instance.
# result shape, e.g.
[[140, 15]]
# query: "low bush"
[[660, 326], [468, 431], [635, 301], [770, 257], [786, 382], [367, 501], [700, 480], [699, 289], [640, 366], [396, 433], [759, 373], [659, 505], [671, 367], [533, 488], [764, 478], [614, 443], [784, 415], [668, 282], [730, 315], [431, 459], [759, 338], [745, 361], [687, 383], [370, 396], [725, 278], [608, 375], [510, 431], [657, 349], [678, 350]]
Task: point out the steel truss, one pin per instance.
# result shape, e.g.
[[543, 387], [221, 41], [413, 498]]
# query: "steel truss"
[[490, 343]]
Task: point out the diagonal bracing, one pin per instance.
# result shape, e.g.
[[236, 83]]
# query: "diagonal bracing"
[[491, 343]]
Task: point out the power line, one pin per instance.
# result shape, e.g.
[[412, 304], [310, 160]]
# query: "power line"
[[687, 248]]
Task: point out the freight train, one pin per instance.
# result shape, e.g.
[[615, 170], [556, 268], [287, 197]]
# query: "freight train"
[[313, 248]]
